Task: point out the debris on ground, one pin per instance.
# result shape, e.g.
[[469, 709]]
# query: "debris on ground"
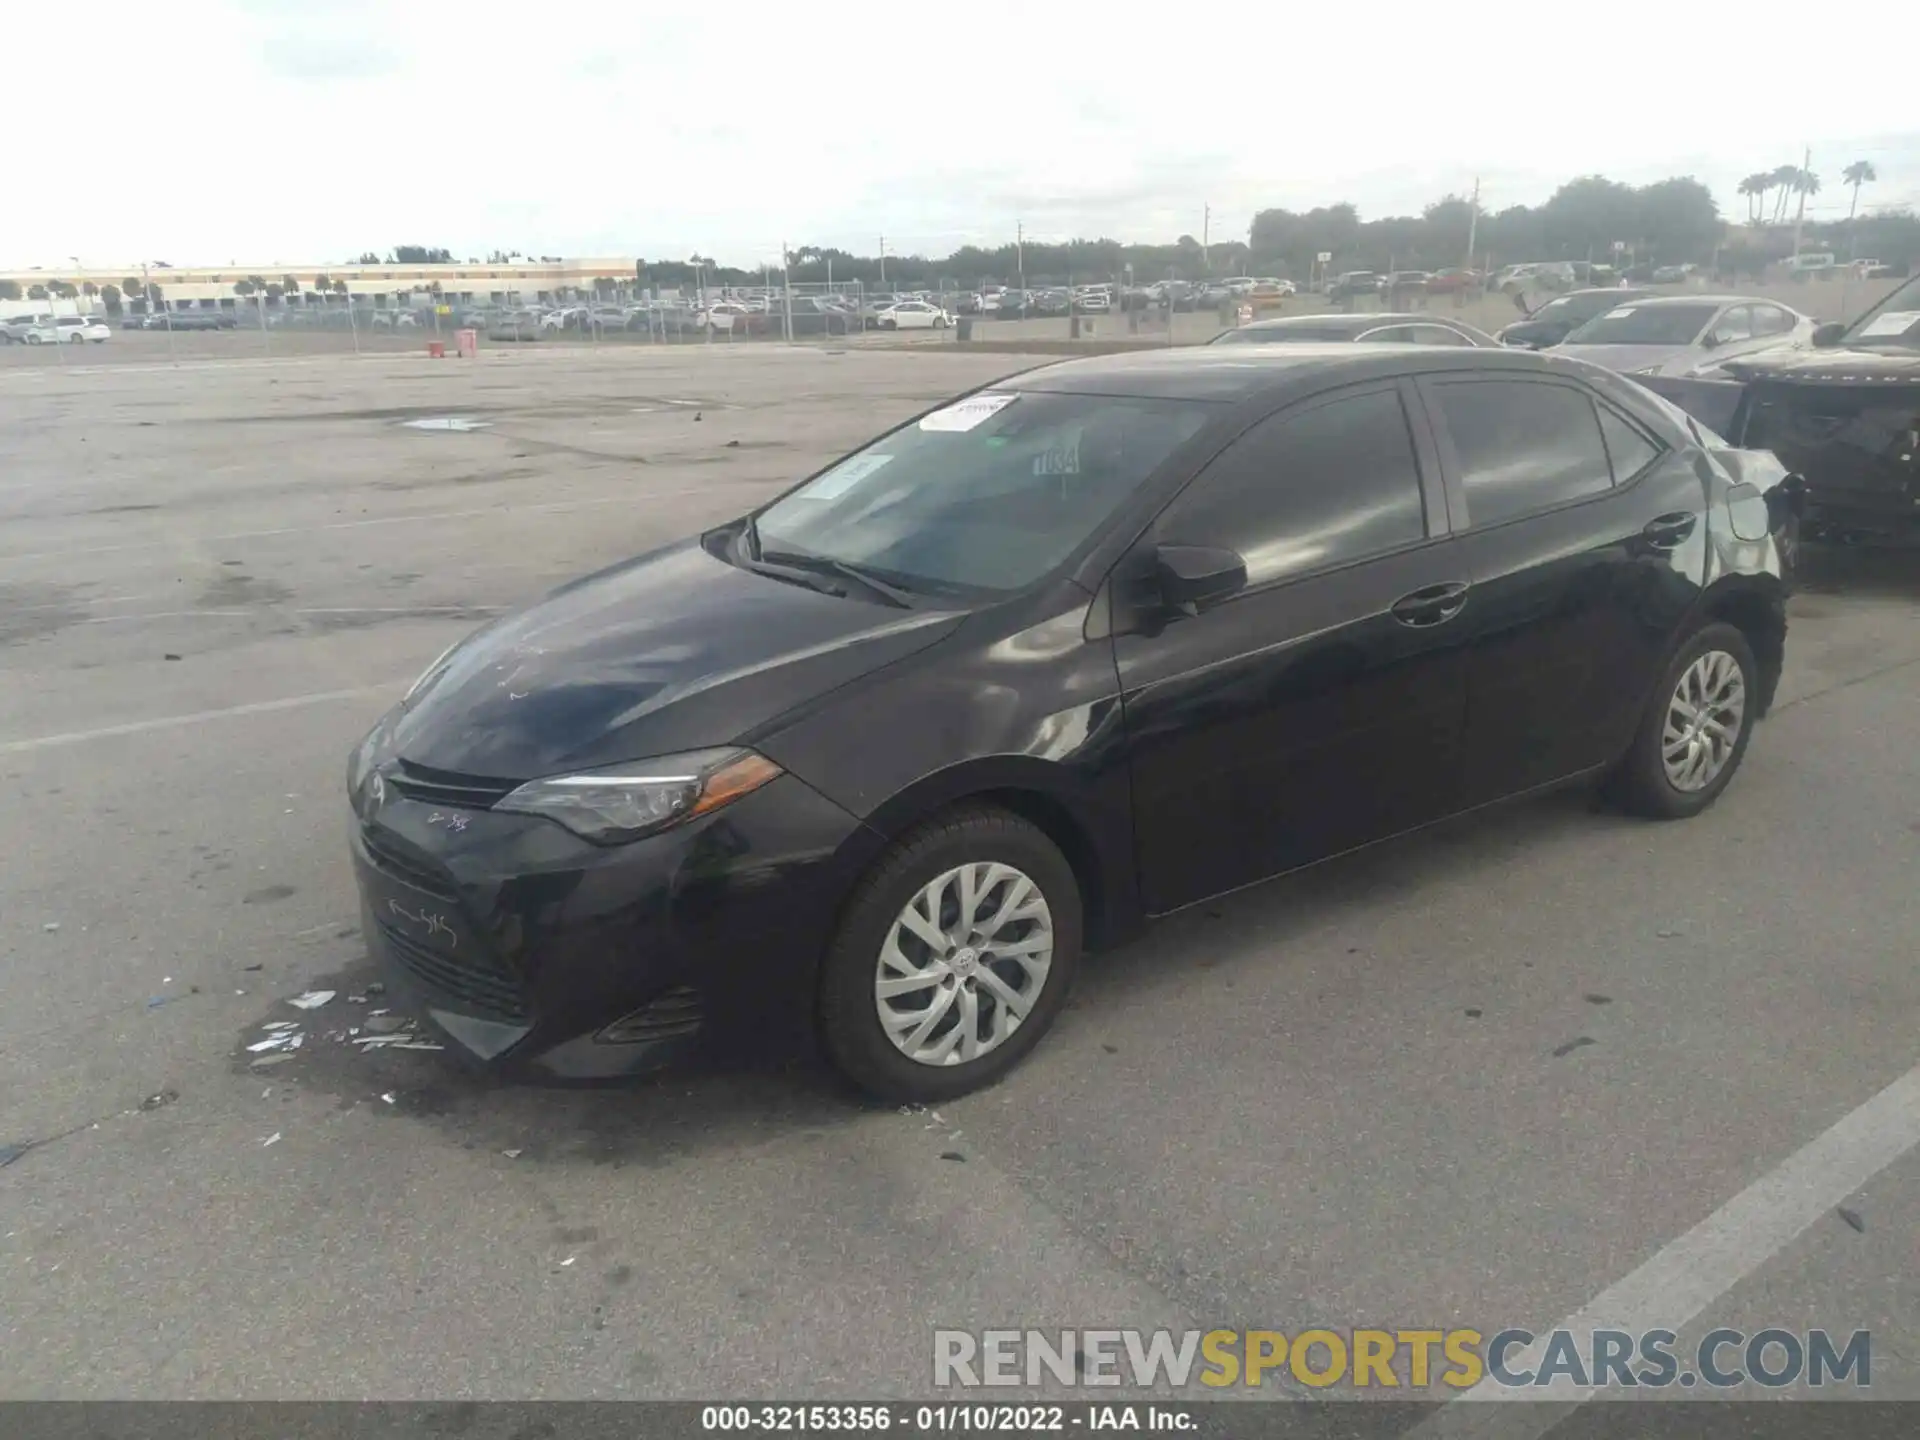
[[512, 1154], [267, 1062], [312, 1000], [273, 1139], [388, 1097], [51, 926], [159, 1098], [1852, 1217], [13, 1150], [386, 1024], [356, 999], [282, 1035]]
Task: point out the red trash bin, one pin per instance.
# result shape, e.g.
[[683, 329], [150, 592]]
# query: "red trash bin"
[[436, 350]]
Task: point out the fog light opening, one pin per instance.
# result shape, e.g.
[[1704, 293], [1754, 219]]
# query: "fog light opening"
[[672, 1015]]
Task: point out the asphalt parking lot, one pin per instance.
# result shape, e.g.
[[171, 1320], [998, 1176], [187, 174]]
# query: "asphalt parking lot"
[[1479, 1077]]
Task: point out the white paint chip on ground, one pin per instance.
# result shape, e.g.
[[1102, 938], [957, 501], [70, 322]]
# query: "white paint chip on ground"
[[312, 1000]]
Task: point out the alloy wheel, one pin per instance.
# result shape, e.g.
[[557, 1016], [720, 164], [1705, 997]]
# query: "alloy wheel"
[[1704, 719], [964, 963]]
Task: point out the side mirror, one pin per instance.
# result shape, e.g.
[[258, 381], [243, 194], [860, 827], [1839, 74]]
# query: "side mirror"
[[1193, 577], [1711, 340], [1826, 336]]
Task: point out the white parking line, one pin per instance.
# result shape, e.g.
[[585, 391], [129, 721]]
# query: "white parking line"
[[552, 507], [1687, 1275], [173, 722]]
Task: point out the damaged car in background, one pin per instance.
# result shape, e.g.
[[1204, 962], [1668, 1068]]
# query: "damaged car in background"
[[1844, 416]]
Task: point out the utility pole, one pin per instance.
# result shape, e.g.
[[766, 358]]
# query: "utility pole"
[[1020, 259], [1206, 237], [1799, 218], [786, 287], [883, 262], [1473, 221]]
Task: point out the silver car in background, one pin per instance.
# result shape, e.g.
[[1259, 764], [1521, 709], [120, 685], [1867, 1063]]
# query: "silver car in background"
[[1689, 335]]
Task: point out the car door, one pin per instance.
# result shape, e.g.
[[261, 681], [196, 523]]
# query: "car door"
[[1320, 706], [1583, 537], [1731, 334]]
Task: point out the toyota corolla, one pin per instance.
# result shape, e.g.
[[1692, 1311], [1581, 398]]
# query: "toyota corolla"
[[868, 768]]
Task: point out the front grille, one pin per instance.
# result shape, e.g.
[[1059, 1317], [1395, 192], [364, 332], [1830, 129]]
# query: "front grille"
[[473, 984], [396, 859], [447, 787], [676, 1013]]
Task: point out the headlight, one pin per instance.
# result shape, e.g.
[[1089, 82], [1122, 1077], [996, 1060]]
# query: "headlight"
[[360, 763], [624, 802]]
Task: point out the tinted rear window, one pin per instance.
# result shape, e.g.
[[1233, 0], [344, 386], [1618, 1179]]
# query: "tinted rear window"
[[1522, 446]]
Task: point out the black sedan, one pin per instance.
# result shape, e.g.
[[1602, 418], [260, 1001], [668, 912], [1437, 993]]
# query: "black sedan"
[[870, 766], [1378, 327], [1564, 314]]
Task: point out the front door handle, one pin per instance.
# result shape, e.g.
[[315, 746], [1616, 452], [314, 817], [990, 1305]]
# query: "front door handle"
[[1664, 532], [1433, 605]]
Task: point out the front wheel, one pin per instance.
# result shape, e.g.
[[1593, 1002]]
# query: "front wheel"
[[33, 339], [953, 957], [76, 339], [1696, 728], [940, 323]]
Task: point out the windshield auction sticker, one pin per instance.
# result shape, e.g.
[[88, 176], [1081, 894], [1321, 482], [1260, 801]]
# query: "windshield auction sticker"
[[968, 413], [1894, 322]]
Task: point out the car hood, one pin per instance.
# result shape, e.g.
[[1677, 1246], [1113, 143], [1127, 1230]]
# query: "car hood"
[[676, 650], [1829, 367], [1626, 358]]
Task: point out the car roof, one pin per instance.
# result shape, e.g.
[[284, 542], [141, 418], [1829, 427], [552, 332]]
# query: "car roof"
[[1231, 373], [1365, 320], [1672, 300]]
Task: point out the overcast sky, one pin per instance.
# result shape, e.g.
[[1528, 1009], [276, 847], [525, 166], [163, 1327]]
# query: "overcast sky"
[[294, 131]]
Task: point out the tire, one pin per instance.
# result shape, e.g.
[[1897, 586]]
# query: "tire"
[[33, 340], [940, 323], [851, 1029], [1642, 782], [76, 339]]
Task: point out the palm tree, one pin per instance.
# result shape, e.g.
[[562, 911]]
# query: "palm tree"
[[1860, 172], [1782, 178], [1755, 188]]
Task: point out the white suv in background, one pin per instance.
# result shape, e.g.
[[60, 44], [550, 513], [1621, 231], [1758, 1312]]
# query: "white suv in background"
[[66, 329]]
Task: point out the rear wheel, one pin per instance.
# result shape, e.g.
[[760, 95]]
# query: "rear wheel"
[[1696, 728], [953, 957]]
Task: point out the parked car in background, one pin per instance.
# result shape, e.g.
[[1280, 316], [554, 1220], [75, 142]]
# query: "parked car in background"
[[1564, 314], [1093, 645], [1412, 282], [1375, 327], [1354, 284], [517, 327], [812, 315], [1453, 281], [1685, 335], [1841, 415], [180, 321], [913, 315], [14, 327], [1534, 275], [67, 330]]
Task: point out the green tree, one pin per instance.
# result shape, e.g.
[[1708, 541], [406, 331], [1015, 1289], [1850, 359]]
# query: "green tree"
[[1753, 189], [36, 292], [62, 290], [132, 285], [243, 287], [110, 297], [367, 257], [1781, 178], [9, 289], [1678, 219]]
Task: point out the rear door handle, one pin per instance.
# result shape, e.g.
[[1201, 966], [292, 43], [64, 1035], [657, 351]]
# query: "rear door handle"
[[1663, 532], [1434, 605]]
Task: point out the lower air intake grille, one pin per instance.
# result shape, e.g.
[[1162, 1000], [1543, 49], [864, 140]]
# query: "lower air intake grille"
[[473, 986]]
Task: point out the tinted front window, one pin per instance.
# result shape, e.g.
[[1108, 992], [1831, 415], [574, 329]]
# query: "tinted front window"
[[1771, 320], [1645, 325], [1522, 446], [1302, 491], [985, 495]]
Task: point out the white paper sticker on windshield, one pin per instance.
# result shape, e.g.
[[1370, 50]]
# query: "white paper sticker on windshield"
[[1894, 322], [967, 413], [1058, 461], [844, 476], [1621, 313]]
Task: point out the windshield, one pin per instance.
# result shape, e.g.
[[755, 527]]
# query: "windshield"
[[1895, 321], [985, 495], [1645, 325], [1280, 334]]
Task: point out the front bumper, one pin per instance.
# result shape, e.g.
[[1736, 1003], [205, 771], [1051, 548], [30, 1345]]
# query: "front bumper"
[[542, 955]]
